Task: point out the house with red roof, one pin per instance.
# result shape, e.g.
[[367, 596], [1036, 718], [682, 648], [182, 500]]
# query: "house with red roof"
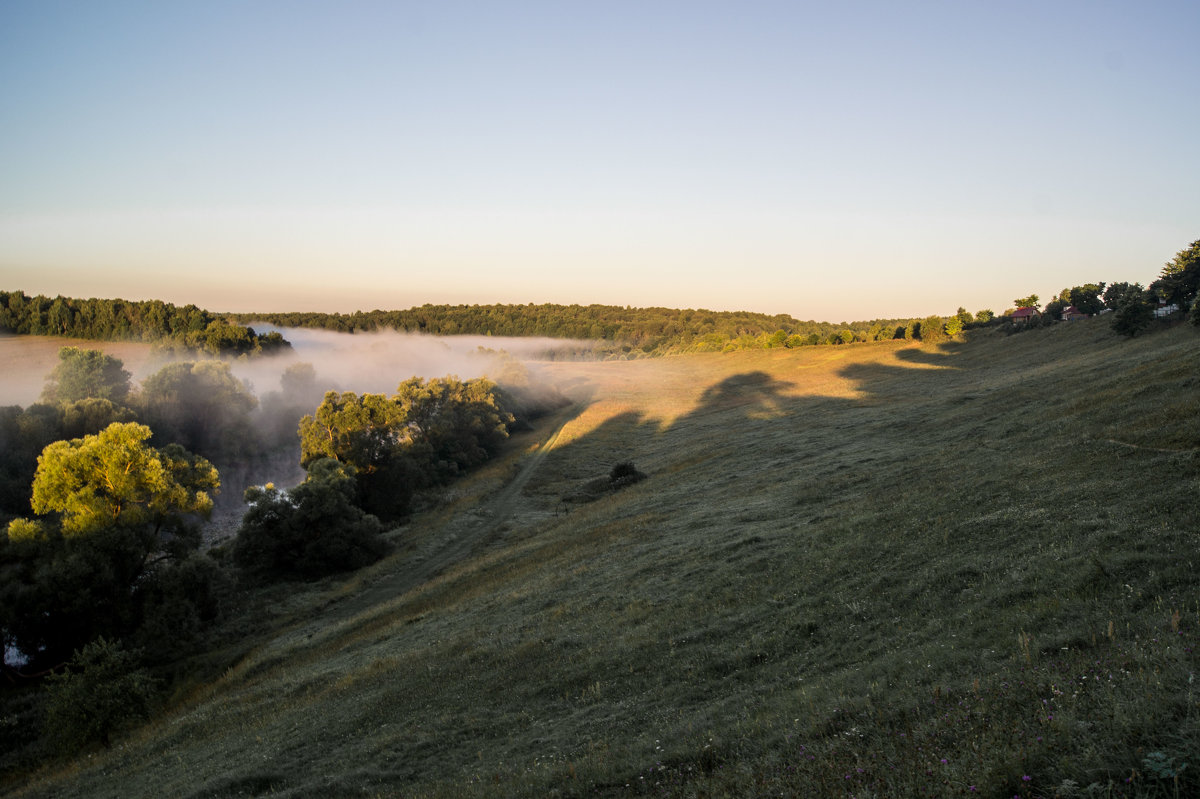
[[1023, 315], [1071, 313]]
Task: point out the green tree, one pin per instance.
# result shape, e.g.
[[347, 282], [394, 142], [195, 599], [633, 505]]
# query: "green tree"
[[1133, 316], [201, 406], [113, 479], [1119, 294], [984, 316], [220, 337], [25, 433], [933, 328], [310, 531], [1032, 301], [954, 326], [117, 514], [1179, 281], [60, 319], [796, 340], [1053, 310], [1085, 298], [423, 435], [368, 433], [83, 374], [359, 430]]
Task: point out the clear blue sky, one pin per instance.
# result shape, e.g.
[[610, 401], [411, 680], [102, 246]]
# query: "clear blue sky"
[[833, 161]]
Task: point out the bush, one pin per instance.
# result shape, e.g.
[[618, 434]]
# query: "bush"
[[313, 530], [178, 602], [1132, 317], [103, 692], [624, 474]]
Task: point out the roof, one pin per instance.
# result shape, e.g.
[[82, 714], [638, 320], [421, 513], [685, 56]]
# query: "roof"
[[1021, 313]]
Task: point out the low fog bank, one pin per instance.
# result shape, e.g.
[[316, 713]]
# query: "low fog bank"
[[243, 414], [375, 363], [360, 362]]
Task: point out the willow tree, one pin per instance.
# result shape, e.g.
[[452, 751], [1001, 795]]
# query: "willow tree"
[[118, 520]]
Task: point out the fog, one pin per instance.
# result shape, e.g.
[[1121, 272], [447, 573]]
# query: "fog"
[[360, 362], [267, 447], [378, 362]]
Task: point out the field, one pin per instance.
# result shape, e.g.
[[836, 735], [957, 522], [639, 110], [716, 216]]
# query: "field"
[[871, 570]]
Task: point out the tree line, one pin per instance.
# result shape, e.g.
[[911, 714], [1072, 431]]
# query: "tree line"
[[623, 332], [105, 587], [1175, 294], [154, 321]]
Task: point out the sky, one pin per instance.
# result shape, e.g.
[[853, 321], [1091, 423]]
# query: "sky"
[[832, 161]]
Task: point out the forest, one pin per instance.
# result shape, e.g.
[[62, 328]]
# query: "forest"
[[161, 323], [624, 332]]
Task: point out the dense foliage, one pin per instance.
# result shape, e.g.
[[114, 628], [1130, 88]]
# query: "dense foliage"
[[423, 435], [81, 374], [114, 516], [25, 432], [619, 331], [309, 531], [152, 320], [200, 405], [1179, 281], [103, 691]]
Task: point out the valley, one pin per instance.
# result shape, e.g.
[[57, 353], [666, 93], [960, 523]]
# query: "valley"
[[887, 569]]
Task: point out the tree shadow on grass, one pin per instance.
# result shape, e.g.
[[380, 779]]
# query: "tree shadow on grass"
[[941, 357]]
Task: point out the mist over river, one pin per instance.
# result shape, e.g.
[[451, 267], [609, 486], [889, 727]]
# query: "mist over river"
[[374, 362], [360, 362]]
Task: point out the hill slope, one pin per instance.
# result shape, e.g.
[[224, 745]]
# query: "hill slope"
[[876, 570]]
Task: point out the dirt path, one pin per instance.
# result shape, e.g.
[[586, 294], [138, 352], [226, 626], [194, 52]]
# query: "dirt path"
[[487, 518]]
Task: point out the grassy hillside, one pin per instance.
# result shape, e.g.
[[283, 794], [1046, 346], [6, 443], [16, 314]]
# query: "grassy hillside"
[[879, 570]]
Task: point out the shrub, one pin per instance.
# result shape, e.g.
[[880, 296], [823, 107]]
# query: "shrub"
[[178, 602], [1132, 317], [624, 474], [313, 530], [102, 692]]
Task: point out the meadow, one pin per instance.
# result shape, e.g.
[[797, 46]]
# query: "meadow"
[[870, 570]]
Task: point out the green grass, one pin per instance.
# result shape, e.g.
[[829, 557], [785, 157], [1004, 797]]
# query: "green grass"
[[867, 570]]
